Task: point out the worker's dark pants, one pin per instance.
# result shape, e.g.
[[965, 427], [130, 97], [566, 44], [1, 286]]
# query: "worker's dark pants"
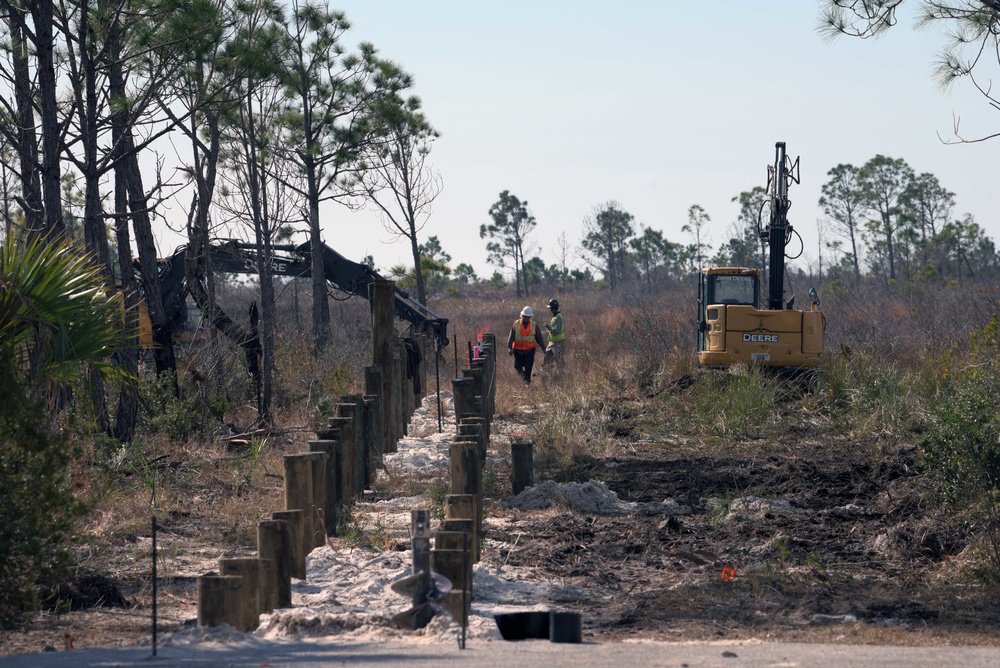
[[523, 361]]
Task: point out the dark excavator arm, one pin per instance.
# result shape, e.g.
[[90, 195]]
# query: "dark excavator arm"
[[351, 277]]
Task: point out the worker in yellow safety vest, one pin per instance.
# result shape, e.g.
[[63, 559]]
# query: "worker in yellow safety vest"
[[525, 335], [557, 336]]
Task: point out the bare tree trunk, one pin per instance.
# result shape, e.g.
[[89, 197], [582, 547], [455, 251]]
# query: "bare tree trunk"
[[42, 15], [321, 305], [418, 272], [198, 263], [128, 355], [27, 141]]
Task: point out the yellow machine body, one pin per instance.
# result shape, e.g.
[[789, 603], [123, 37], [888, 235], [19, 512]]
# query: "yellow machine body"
[[734, 330]]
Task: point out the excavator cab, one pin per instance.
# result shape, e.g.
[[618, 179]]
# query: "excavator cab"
[[719, 287]]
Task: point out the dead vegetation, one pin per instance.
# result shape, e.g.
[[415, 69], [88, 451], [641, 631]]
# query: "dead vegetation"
[[815, 496]]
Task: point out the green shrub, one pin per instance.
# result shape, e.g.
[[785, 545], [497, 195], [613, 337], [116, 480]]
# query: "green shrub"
[[744, 403], [163, 412], [870, 395], [37, 504], [961, 448]]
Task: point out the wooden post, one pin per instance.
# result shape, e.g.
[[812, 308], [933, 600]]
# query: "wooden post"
[[297, 557], [420, 375], [465, 507], [249, 571], [456, 565], [274, 543], [467, 474], [317, 461], [373, 437], [220, 600], [352, 407], [449, 564], [331, 499], [403, 400], [299, 495], [464, 467], [475, 426], [478, 374], [522, 466], [374, 383], [268, 595], [464, 394], [382, 297], [345, 467]]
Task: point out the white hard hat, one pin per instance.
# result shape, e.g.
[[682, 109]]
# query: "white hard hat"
[[528, 312]]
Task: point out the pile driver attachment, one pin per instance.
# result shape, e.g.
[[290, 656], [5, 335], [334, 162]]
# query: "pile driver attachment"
[[733, 328]]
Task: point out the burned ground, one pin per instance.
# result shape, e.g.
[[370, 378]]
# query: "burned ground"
[[821, 542], [815, 538]]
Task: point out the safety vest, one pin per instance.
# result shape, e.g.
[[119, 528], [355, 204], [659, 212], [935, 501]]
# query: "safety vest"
[[524, 337], [556, 324]]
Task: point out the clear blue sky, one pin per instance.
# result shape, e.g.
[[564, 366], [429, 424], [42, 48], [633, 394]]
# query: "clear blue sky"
[[658, 105]]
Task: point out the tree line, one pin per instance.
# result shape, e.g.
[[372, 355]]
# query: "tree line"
[[882, 220], [266, 110]]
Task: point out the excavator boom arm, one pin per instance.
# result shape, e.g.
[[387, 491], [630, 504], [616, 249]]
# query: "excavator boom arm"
[[354, 278]]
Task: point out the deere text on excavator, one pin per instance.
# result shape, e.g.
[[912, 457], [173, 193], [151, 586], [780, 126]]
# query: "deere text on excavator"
[[732, 326]]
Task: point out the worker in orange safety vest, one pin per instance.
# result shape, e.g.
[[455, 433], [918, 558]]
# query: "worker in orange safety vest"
[[525, 335]]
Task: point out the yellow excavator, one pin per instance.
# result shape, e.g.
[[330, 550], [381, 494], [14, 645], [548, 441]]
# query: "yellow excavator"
[[732, 326]]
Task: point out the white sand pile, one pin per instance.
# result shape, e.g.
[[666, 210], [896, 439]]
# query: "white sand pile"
[[590, 498]]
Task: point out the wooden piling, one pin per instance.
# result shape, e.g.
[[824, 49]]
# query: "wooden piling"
[[464, 466], [352, 407], [477, 428], [299, 495], [404, 400], [345, 471], [449, 564], [373, 437], [466, 473], [249, 571], [420, 374], [297, 557], [464, 395], [267, 597], [317, 462], [465, 507], [220, 599], [331, 498], [382, 296], [522, 466], [478, 374], [274, 543], [375, 385]]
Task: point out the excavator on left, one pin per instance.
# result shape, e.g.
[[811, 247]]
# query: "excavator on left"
[[232, 256]]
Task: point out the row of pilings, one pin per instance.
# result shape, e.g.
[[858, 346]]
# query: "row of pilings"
[[322, 484]]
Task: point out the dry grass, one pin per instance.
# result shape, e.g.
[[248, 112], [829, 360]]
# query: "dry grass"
[[625, 356], [624, 352]]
